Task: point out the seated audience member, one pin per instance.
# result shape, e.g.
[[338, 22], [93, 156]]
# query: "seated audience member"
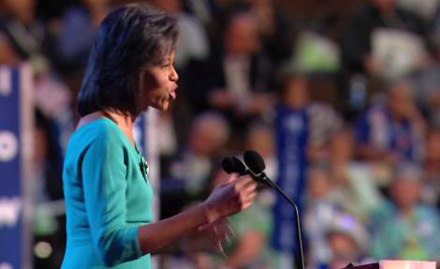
[[77, 30], [369, 26], [430, 189], [380, 41], [403, 228], [348, 242], [275, 29], [193, 41], [260, 137], [236, 80], [23, 37], [394, 131], [322, 120], [319, 213], [334, 236], [432, 104], [354, 187], [248, 246], [190, 173]]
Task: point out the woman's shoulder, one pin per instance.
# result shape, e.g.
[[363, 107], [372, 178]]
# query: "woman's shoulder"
[[98, 127], [101, 133]]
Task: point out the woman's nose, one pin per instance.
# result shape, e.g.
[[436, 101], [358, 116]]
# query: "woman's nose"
[[174, 76]]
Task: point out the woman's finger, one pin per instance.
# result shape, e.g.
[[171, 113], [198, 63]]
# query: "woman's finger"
[[234, 177], [252, 187], [243, 182], [249, 201]]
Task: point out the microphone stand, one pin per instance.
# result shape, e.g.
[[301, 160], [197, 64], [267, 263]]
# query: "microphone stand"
[[265, 179]]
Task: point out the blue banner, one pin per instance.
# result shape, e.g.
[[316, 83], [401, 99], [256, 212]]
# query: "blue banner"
[[13, 157], [291, 140]]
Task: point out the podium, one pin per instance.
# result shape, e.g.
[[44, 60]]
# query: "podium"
[[395, 264]]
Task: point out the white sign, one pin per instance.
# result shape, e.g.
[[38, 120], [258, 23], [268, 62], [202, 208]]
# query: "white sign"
[[8, 146], [9, 211]]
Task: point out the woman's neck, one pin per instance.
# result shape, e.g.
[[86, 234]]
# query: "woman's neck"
[[124, 121]]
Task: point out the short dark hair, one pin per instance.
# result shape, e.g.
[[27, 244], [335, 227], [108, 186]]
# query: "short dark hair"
[[129, 38]]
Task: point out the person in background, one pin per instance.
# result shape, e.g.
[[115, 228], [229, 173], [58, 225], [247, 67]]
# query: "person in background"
[[303, 129], [23, 37], [348, 243], [335, 236], [380, 41], [187, 178], [394, 131], [248, 246], [323, 121], [432, 104], [354, 188], [193, 42], [430, 188], [107, 191], [403, 228], [275, 29], [358, 37], [260, 137], [235, 80], [78, 26], [319, 213], [192, 46]]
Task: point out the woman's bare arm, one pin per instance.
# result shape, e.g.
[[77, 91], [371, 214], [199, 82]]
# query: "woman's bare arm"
[[225, 200]]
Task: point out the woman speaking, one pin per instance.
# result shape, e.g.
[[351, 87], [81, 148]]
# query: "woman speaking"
[[107, 192]]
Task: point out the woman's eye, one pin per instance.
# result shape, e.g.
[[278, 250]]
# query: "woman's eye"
[[167, 64]]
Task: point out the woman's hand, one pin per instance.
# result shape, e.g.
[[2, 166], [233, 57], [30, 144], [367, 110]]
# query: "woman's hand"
[[209, 238], [231, 197], [228, 198]]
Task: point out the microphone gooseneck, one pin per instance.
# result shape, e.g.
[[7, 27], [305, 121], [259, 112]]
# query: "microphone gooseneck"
[[256, 166]]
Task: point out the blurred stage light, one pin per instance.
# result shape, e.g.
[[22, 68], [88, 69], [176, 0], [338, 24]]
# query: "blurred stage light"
[[43, 250]]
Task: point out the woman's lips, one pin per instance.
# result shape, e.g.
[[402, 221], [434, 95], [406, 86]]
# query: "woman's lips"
[[173, 94]]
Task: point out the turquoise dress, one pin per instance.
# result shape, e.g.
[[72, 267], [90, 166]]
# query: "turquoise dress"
[[108, 196]]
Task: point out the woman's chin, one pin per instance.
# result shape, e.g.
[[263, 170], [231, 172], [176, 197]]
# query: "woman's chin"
[[163, 106]]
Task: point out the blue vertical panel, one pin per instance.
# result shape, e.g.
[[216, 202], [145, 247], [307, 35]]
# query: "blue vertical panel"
[[11, 200], [291, 138]]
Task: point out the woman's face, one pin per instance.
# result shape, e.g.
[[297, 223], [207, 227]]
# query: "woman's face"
[[158, 84]]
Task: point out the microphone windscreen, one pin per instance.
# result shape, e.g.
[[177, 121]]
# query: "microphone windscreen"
[[233, 165], [254, 161]]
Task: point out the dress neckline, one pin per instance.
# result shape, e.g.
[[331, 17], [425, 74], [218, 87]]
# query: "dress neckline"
[[125, 138]]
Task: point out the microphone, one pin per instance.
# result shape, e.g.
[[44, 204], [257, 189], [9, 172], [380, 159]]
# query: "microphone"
[[256, 166], [233, 165]]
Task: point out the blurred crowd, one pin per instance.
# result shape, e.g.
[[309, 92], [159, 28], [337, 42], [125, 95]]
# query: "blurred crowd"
[[359, 77]]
